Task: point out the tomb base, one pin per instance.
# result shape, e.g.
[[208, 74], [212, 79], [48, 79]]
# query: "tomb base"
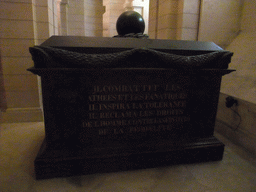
[[69, 161]]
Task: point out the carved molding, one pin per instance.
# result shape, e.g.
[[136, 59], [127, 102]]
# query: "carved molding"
[[48, 57]]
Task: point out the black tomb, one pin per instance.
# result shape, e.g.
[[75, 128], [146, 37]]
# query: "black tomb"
[[115, 104]]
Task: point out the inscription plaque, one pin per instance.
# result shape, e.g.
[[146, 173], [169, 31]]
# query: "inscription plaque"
[[101, 116]]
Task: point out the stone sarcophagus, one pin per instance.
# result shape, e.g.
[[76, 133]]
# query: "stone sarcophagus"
[[114, 104]]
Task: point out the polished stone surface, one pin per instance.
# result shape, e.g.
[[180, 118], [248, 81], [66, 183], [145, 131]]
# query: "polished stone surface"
[[20, 142]]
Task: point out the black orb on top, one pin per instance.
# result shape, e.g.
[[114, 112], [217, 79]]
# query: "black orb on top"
[[130, 22]]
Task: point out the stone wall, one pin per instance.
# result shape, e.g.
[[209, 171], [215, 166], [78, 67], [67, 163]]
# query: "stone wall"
[[220, 21], [240, 122], [173, 19], [24, 23], [241, 83], [75, 18]]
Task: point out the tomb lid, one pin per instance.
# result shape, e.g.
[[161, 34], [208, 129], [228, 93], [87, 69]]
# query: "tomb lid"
[[103, 44]]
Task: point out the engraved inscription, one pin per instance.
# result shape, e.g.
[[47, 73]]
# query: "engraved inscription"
[[120, 109]]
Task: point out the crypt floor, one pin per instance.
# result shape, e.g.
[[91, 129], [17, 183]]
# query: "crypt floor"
[[20, 142]]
